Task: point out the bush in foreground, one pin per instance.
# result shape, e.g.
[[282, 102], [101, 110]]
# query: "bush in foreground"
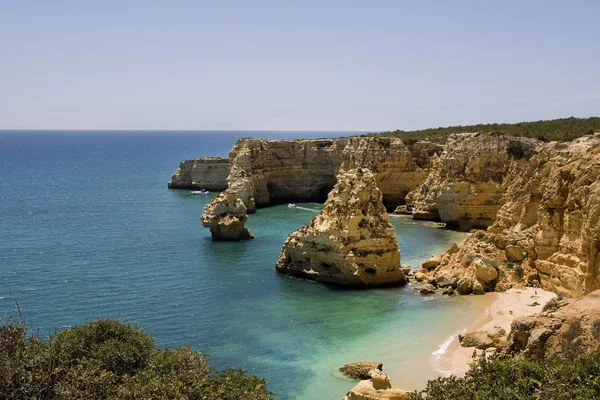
[[521, 378], [106, 359]]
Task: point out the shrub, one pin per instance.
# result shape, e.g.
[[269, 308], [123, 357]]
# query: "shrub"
[[516, 149], [107, 359], [519, 272], [521, 378], [551, 305]]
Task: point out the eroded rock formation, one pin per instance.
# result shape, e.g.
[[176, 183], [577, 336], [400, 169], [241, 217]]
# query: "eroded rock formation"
[[377, 388], [350, 242], [208, 173], [465, 188], [361, 369], [568, 328], [551, 213], [226, 215], [395, 168], [265, 172]]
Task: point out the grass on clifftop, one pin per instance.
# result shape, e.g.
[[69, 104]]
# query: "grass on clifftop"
[[106, 359], [521, 378], [563, 129]]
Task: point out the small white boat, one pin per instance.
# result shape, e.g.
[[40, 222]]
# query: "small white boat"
[[201, 191], [292, 205]]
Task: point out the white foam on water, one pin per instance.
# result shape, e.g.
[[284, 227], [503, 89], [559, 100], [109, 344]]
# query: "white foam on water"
[[306, 209], [438, 357]]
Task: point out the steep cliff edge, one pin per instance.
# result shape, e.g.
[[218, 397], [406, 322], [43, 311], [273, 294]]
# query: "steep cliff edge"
[[201, 173], [350, 242], [465, 187], [552, 212], [547, 227]]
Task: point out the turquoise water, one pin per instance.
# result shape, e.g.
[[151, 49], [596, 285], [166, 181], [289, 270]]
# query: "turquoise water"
[[89, 229]]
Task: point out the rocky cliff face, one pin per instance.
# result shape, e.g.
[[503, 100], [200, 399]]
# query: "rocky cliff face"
[[465, 186], [226, 215], [396, 170], [551, 212], [567, 328], [201, 173], [350, 242], [547, 227], [265, 172]]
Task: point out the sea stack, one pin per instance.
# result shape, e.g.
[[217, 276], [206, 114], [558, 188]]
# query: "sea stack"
[[226, 215], [350, 242]]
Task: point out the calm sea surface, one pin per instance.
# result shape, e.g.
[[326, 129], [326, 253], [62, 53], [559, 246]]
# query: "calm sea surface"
[[88, 229]]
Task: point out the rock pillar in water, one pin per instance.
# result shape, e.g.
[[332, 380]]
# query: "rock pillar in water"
[[350, 242], [226, 215]]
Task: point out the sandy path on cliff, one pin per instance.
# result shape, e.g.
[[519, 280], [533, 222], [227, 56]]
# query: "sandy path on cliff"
[[502, 312]]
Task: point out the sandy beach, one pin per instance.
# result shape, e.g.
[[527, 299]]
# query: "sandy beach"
[[504, 308]]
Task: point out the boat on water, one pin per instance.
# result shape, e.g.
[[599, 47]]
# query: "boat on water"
[[292, 205], [201, 191]]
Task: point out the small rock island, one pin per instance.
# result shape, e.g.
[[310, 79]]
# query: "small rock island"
[[350, 242], [226, 215]]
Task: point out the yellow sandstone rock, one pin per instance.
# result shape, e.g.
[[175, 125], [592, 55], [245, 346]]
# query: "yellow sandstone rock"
[[350, 242]]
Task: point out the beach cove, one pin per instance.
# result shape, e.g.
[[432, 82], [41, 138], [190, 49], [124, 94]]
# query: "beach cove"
[[95, 233]]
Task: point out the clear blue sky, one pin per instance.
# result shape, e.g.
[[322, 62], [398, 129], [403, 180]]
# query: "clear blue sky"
[[322, 65]]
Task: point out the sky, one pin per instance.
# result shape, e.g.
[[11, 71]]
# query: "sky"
[[295, 65]]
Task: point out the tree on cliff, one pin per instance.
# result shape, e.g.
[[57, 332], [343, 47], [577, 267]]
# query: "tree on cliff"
[[106, 359], [557, 129]]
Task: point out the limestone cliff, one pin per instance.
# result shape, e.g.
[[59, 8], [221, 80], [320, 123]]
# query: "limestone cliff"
[[226, 215], [265, 172], [350, 242], [465, 188], [394, 165], [551, 212], [567, 328], [547, 229], [277, 171], [201, 173]]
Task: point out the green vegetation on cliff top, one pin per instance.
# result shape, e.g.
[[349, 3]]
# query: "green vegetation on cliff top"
[[563, 129]]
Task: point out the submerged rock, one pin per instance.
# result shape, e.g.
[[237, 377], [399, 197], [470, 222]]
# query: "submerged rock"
[[425, 288], [361, 369], [350, 242], [226, 215]]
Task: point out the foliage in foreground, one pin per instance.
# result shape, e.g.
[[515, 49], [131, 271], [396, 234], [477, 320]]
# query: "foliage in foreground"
[[521, 378], [563, 129], [106, 359]]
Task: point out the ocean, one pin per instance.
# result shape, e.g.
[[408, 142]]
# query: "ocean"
[[89, 229]]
